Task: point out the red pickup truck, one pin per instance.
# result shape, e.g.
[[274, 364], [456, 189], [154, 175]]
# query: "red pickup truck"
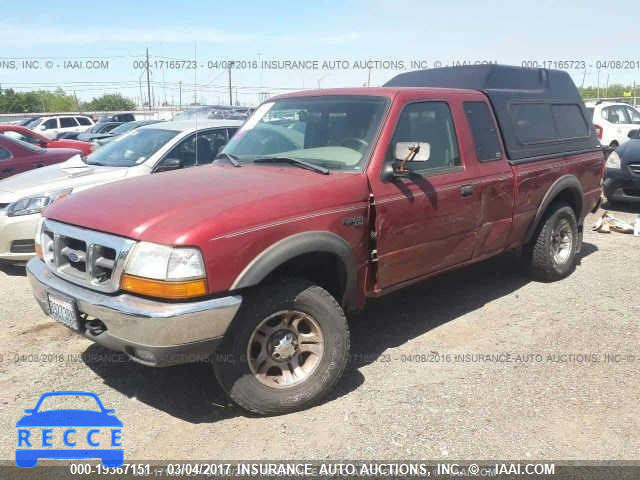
[[322, 200]]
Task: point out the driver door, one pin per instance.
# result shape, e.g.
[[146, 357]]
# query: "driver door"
[[426, 221]]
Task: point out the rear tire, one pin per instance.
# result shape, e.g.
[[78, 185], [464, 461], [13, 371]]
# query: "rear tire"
[[552, 252], [286, 349]]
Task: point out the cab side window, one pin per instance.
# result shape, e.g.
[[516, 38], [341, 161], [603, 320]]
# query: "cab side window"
[[429, 122], [483, 130]]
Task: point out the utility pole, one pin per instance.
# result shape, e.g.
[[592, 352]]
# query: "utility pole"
[[180, 94], [141, 94], [230, 91], [148, 81]]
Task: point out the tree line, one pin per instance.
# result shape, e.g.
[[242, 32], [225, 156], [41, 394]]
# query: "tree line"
[[59, 101]]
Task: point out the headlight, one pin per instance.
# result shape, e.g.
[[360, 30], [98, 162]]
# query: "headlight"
[[166, 272], [613, 161], [35, 203]]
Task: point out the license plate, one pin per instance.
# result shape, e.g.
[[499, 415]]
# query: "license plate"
[[63, 310]]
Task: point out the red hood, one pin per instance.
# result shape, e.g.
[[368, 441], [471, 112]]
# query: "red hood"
[[192, 206]]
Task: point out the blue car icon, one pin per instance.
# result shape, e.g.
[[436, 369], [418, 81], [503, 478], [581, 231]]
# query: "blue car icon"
[[39, 420]]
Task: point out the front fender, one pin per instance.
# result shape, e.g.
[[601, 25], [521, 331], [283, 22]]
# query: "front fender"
[[295, 245]]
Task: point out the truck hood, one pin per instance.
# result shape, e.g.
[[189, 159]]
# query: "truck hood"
[[201, 203], [73, 173]]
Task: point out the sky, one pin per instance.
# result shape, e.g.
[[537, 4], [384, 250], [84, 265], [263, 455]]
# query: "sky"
[[91, 48]]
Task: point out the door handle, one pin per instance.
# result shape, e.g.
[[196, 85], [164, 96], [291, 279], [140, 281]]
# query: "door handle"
[[466, 190]]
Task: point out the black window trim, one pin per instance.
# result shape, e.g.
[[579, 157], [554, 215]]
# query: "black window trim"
[[423, 172]]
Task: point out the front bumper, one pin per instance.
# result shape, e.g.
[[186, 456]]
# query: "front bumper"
[[16, 228], [150, 332], [621, 186]]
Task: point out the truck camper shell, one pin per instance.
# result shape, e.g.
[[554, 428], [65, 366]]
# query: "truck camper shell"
[[539, 111]]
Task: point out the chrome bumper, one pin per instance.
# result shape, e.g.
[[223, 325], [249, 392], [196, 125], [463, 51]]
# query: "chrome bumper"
[[150, 332]]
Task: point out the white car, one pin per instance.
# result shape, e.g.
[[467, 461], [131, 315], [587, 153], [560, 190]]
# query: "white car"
[[613, 121], [53, 126], [153, 148]]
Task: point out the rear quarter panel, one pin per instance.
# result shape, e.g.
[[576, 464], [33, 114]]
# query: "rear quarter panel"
[[533, 180]]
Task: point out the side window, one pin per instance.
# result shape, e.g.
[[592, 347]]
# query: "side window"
[[68, 122], [83, 121], [533, 122], [484, 131], [200, 148], [16, 136], [4, 154], [615, 114], [634, 115], [570, 122], [429, 122], [49, 124]]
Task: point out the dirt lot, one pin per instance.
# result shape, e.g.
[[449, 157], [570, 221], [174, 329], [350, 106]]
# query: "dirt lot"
[[480, 364]]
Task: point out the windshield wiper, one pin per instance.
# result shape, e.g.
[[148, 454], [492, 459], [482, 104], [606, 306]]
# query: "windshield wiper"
[[233, 160], [294, 161]]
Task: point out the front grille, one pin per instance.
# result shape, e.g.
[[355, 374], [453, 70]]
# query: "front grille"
[[85, 257], [635, 168], [23, 246]]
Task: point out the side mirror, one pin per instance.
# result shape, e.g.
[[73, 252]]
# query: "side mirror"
[[42, 143], [634, 133], [29, 410], [169, 164], [405, 152]]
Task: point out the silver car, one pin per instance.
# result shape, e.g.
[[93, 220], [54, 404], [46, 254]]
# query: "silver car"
[[150, 149]]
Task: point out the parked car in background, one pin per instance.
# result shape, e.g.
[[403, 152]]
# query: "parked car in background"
[[121, 130], [613, 121], [116, 117], [18, 132], [53, 126], [150, 149], [255, 267], [622, 173], [97, 128], [26, 120], [17, 156]]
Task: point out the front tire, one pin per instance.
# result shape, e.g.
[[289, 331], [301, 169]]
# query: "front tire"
[[286, 349], [552, 251]]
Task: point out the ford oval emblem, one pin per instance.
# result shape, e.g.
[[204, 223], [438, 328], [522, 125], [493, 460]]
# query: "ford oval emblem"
[[73, 257]]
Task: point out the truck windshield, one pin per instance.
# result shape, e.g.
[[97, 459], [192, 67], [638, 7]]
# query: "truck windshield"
[[131, 149], [335, 132]]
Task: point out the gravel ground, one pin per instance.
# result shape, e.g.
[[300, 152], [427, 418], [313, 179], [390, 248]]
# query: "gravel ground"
[[479, 364]]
